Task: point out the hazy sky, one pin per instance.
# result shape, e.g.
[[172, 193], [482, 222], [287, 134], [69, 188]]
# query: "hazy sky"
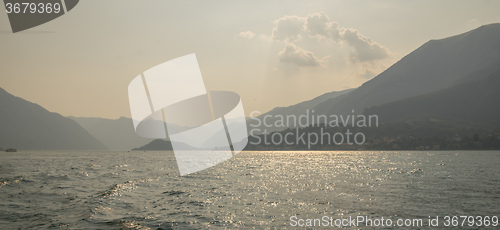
[[273, 53]]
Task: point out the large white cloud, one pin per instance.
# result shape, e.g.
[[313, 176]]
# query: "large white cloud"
[[364, 48], [319, 25], [288, 28], [296, 55]]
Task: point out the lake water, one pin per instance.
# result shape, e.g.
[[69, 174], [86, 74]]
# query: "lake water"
[[254, 190]]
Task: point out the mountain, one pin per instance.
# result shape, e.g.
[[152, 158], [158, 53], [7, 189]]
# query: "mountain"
[[160, 144], [473, 101], [436, 65], [296, 110], [300, 108], [116, 134], [119, 134], [25, 125], [442, 96]]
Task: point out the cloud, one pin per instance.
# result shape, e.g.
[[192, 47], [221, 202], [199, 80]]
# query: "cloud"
[[364, 48], [288, 29], [296, 55], [246, 35], [366, 73], [369, 71], [319, 25], [264, 37]]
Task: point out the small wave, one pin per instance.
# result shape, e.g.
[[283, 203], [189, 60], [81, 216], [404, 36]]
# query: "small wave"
[[119, 166], [113, 189], [14, 180], [173, 192], [416, 171], [116, 188], [46, 175], [82, 174], [126, 224]]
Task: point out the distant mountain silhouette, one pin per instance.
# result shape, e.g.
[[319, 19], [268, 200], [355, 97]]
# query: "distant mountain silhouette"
[[473, 101], [436, 65], [119, 134], [442, 96], [160, 144], [116, 134], [26, 125], [297, 110]]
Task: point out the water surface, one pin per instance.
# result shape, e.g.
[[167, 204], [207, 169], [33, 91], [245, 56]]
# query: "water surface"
[[261, 190]]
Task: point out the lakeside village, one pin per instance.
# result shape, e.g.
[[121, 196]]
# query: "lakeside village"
[[363, 132]]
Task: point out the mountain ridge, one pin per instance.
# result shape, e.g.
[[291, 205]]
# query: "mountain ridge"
[[295, 110], [116, 134], [27, 125], [436, 65], [473, 101]]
